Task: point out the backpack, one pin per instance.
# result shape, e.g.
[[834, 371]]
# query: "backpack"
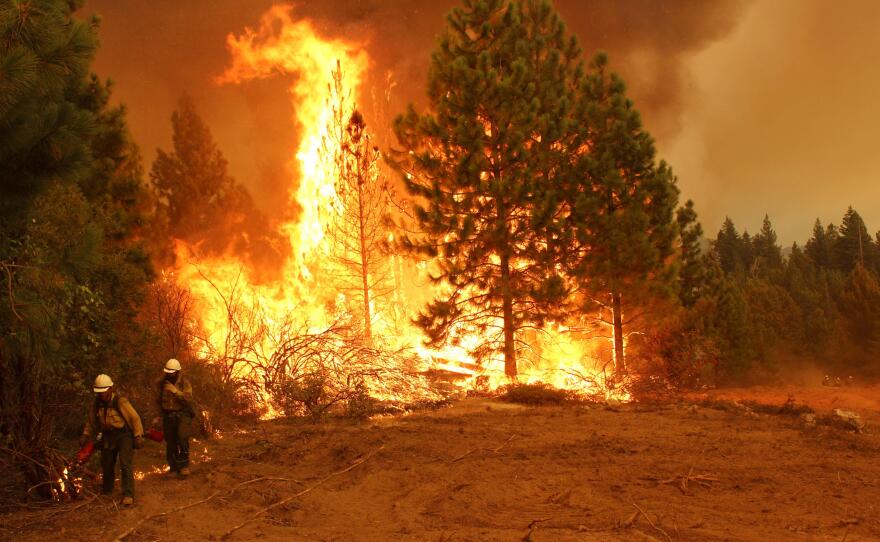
[[114, 404], [190, 407]]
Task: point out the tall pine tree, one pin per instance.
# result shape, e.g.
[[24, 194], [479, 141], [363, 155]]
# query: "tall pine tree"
[[767, 253], [70, 209], [727, 247], [819, 247], [192, 180], [854, 245], [359, 230], [483, 163], [692, 267], [622, 205], [202, 203], [860, 307]]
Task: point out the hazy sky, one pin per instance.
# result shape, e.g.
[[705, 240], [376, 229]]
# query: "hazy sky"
[[761, 106], [783, 118]]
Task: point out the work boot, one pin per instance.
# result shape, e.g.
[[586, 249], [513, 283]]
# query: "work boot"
[[127, 501], [184, 472]]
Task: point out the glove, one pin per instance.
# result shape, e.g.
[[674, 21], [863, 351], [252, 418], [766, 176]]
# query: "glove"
[[138, 442], [173, 389], [83, 440]]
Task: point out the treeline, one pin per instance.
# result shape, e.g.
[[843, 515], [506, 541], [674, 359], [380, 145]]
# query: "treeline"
[[759, 306]]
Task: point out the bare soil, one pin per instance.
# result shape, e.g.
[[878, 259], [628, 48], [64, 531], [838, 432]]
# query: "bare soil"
[[482, 470]]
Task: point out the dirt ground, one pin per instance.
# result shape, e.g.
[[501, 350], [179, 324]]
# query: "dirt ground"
[[482, 470]]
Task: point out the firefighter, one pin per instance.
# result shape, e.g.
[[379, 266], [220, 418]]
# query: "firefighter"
[[117, 431], [175, 401]]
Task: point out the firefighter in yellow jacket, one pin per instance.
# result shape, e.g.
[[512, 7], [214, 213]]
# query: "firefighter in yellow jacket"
[[175, 400], [116, 428]]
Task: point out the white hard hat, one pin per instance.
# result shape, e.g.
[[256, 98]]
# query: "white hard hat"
[[172, 366], [102, 384]]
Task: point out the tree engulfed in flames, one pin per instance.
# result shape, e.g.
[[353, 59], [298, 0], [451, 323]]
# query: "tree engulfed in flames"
[[283, 45]]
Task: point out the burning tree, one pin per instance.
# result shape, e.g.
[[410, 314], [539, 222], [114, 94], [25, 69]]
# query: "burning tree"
[[202, 203], [483, 164], [358, 233], [192, 180], [620, 208]]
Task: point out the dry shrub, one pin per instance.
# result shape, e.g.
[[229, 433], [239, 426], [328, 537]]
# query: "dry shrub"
[[788, 408], [536, 394], [221, 401], [253, 360], [332, 373], [360, 405], [314, 394]]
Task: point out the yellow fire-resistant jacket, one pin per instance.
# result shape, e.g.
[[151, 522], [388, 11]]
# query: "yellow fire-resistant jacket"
[[103, 417], [175, 397]]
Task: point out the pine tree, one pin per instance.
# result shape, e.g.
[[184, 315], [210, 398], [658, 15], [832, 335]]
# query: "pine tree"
[[860, 305], [44, 134], [807, 284], [727, 247], [483, 163], [359, 232], [819, 248], [622, 204], [692, 271], [853, 245], [70, 209], [729, 324], [766, 252], [192, 180], [746, 250], [200, 200]]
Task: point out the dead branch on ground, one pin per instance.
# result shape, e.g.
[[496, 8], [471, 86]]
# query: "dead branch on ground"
[[483, 449], [143, 520], [630, 521], [533, 526], [704, 480], [682, 482], [651, 523]]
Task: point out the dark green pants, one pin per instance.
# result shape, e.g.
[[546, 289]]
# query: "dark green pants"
[[117, 444], [177, 427]]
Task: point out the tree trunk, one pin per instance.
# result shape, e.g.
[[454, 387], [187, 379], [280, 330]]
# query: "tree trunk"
[[619, 360], [507, 302], [365, 262]]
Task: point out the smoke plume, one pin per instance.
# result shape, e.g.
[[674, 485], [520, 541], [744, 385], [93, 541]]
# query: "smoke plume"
[[158, 49]]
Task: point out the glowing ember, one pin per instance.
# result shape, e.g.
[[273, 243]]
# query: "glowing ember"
[[152, 471]]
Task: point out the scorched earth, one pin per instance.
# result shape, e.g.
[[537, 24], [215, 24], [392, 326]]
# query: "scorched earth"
[[482, 469]]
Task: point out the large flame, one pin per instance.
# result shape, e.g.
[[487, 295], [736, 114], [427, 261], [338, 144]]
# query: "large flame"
[[285, 46]]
